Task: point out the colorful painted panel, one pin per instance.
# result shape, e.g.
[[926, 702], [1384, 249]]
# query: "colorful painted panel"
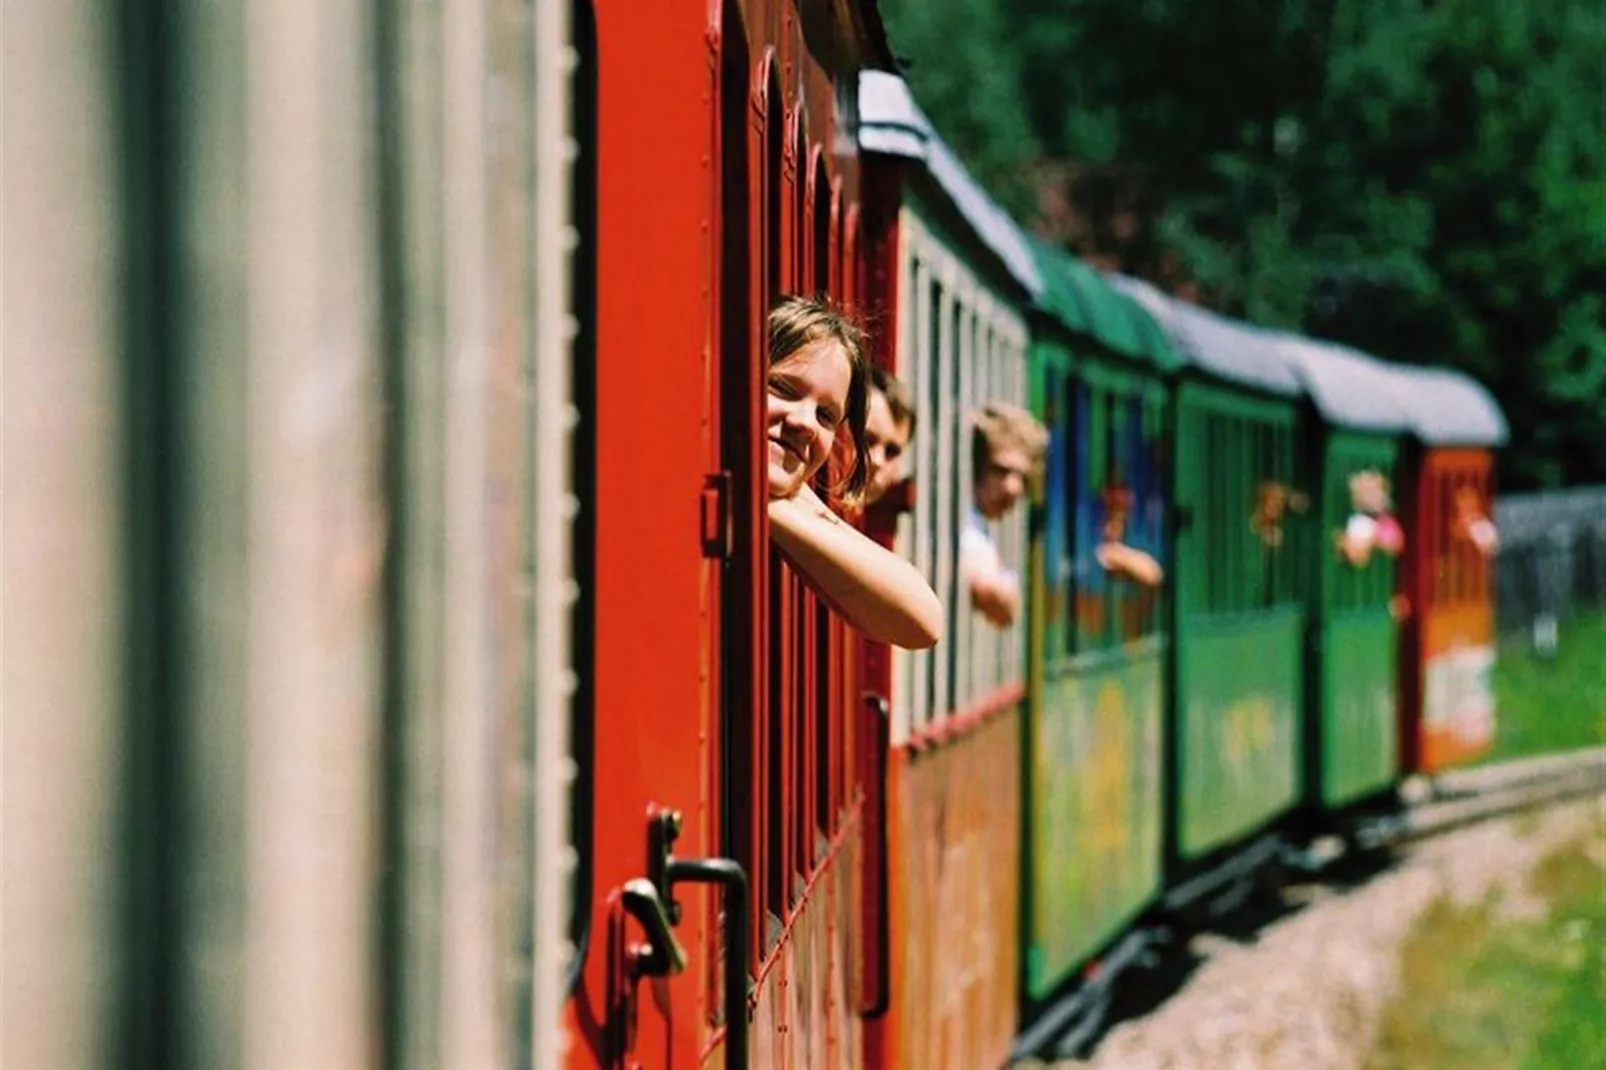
[[1239, 758], [1096, 810], [1360, 736]]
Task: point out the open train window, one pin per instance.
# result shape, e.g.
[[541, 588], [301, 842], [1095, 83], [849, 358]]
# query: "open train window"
[[960, 629], [1460, 571], [1356, 475], [1116, 487], [771, 845], [935, 488], [1243, 449]]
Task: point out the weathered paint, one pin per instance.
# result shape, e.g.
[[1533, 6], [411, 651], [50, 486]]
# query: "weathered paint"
[[1239, 744], [803, 1016], [954, 867], [1096, 798], [1360, 739]]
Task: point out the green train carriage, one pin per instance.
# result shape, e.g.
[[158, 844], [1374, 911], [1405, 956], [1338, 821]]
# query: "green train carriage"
[[1340, 521], [1093, 742], [1235, 739]]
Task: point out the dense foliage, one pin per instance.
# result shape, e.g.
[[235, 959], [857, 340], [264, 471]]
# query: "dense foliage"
[[1425, 179]]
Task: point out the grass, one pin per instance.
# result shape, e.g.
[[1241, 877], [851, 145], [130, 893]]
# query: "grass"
[[1551, 705], [1479, 991]]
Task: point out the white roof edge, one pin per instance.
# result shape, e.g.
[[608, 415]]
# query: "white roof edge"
[[1226, 348], [1448, 407], [892, 124], [1350, 388]]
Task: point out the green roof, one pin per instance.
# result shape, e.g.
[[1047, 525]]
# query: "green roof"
[[1083, 302]]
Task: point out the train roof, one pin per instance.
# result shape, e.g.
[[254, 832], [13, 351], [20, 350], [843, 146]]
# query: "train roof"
[[1349, 388], [1220, 347], [892, 124], [1084, 302], [1447, 407]]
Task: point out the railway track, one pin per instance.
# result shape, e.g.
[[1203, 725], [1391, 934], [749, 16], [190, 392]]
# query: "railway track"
[[1461, 797]]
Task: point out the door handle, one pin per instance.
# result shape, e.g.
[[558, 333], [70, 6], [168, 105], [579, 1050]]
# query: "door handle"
[[661, 955], [664, 872], [732, 879]]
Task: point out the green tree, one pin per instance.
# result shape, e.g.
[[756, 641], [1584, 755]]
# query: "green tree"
[[1425, 179], [961, 65]]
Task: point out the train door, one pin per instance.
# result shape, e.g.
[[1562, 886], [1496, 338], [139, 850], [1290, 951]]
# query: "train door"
[[678, 589]]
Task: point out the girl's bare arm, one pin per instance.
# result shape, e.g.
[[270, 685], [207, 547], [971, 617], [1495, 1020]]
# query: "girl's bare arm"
[[873, 589]]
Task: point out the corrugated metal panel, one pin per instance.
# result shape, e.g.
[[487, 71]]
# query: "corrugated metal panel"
[[1448, 408], [1350, 389], [1224, 348], [1084, 302], [892, 124]]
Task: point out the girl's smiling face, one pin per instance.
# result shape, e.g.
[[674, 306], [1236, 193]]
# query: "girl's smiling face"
[[808, 400]]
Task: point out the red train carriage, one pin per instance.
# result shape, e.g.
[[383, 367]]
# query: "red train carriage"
[[725, 800], [1447, 645], [951, 272]]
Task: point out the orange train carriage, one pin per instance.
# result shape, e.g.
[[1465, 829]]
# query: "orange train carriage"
[[1447, 649]]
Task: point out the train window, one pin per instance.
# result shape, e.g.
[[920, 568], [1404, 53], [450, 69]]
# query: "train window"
[[1088, 631], [960, 626], [805, 712], [939, 486], [823, 627], [804, 741], [849, 248], [775, 768], [827, 731], [736, 778], [907, 363], [1358, 487], [1115, 485], [768, 864], [1059, 491], [949, 514], [1459, 573], [927, 434], [822, 251], [1435, 523]]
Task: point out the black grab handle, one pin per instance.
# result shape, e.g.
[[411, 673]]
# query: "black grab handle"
[[729, 875]]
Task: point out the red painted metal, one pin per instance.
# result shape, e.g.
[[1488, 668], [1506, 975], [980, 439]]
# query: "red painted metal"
[[716, 191]]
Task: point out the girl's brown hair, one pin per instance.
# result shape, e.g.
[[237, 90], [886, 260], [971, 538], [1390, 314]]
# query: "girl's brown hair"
[[799, 322]]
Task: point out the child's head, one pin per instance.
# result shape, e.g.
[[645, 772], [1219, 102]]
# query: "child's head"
[[818, 385], [1369, 491], [1117, 508], [1006, 447], [1468, 502], [889, 425]]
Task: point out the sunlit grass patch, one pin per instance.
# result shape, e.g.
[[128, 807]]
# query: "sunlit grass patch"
[[1557, 704]]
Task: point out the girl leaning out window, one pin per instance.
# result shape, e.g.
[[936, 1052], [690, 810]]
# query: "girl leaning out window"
[[818, 390]]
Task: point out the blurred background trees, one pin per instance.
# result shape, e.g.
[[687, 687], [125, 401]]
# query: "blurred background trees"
[[1425, 179]]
